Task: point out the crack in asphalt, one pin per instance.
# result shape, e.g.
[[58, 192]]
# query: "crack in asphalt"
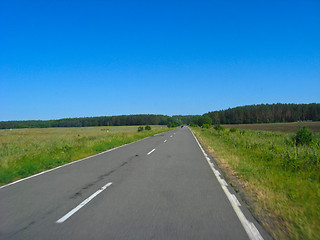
[[101, 177]]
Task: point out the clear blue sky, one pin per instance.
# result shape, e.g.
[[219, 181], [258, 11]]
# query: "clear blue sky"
[[94, 58]]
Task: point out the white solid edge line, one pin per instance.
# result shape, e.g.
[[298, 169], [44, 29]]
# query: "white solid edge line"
[[151, 151], [249, 227], [67, 164], [235, 200], [77, 208], [158, 134]]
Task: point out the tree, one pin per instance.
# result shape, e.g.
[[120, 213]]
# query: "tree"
[[205, 119]]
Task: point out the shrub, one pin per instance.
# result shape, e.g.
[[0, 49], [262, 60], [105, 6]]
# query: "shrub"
[[218, 127], [193, 125], [140, 129], [233, 130], [171, 125], [148, 128], [303, 136], [206, 126]]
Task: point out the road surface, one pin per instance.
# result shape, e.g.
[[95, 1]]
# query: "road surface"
[[162, 187]]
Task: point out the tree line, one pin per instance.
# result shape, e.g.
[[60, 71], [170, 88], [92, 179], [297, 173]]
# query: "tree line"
[[123, 120], [263, 113], [267, 113]]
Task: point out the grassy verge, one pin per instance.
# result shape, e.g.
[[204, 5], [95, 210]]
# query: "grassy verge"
[[279, 181], [291, 127], [24, 152]]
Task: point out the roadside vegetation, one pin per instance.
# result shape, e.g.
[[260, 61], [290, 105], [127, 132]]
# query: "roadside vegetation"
[[262, 113], [277, 174], [24, 152], [267, 113], [278, 127]]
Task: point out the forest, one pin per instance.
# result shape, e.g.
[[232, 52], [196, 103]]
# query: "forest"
[[123, 120], [267, 113], [262, 113]]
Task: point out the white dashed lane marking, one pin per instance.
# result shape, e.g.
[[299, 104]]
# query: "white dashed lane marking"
[[73, 211], [151, 151]]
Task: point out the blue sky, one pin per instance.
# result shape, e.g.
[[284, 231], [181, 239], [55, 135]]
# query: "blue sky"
[[63, 59]]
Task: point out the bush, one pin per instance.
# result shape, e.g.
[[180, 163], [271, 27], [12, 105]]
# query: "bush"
[[233, 130], [193, 125], [206, 126], [140, 129], [171, 125], [148, 128], [242, 132], [303, 136], [218, 127]]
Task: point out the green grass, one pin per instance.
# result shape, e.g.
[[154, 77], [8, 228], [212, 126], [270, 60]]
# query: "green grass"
[[24, 152], [281, 179]]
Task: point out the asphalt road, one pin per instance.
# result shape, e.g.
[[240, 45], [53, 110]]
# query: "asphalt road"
[[161, 187]]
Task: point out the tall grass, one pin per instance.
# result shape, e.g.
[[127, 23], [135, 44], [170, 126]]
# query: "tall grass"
[[24, 152], [283, 179], [291, 127]]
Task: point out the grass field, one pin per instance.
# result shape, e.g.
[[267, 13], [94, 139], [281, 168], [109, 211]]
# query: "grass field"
[[280, 127], [24, 152], [279, 180]]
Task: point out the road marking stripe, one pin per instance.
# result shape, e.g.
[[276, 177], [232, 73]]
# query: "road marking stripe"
[[249, 227], [223, 182], [235, 200], [165, 140], [151, 151], [158, 134], [171, 136], [216, 172], [73, 211]]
